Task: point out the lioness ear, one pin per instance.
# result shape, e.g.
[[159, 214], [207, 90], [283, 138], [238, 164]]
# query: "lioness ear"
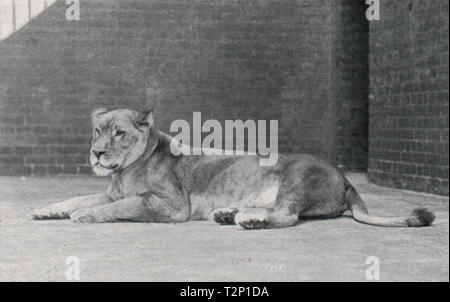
[[146, 119], [96, 113]]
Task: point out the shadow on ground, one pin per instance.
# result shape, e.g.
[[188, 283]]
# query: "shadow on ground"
[[320, 250]]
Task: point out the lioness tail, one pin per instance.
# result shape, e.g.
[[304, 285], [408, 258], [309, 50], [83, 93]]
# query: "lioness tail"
[[418, 217]]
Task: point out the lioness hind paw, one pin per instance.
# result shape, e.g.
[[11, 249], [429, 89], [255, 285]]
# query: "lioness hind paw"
[[254, 224], [225, 217]]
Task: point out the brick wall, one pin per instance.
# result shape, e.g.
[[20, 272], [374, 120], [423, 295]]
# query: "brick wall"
[[303, 62], [409, 65]]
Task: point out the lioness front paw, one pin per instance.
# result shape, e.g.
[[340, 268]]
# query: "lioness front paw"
[[49, 212], [225, 216], [84, 216]]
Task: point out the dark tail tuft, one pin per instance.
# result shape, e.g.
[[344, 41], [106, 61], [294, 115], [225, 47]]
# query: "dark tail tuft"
[[420, 217]]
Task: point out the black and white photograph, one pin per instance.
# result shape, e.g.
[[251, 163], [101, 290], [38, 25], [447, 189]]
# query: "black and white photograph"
[[224, 141]]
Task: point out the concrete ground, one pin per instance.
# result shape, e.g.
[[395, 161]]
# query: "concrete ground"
[[320, 250]]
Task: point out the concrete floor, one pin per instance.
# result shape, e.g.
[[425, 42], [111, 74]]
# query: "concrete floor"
[[321, 250]]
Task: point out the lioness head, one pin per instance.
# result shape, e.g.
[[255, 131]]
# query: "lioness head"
[[119, 138]]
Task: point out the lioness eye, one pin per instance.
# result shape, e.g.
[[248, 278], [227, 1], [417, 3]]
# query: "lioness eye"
[[97, 130], [120, 132]]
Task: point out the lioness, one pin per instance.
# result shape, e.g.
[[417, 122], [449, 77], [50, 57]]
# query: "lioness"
[[150, 184]]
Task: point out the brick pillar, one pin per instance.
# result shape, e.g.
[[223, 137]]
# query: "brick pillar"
[[409, 97]]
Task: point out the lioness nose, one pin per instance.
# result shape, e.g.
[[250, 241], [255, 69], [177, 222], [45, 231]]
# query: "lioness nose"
[[98, 154]]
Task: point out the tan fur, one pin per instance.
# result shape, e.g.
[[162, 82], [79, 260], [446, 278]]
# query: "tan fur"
[[150, 184]]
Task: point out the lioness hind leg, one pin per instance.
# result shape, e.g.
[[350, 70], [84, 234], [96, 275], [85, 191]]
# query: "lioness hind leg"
[[224, 216], [253, 218]]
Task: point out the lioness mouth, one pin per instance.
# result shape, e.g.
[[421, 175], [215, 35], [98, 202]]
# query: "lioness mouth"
[[113, 167]]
